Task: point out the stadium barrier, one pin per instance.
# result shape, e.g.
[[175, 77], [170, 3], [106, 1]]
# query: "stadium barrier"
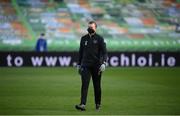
[[66, 59]]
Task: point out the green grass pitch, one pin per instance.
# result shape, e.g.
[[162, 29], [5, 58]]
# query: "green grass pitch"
[[57, 90]]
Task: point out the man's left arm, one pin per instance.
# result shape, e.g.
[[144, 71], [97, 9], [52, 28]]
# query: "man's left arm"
[[103, 55], [103, 51]]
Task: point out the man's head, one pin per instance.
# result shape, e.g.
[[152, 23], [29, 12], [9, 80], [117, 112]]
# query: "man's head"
[[42, 35], [92, 27]]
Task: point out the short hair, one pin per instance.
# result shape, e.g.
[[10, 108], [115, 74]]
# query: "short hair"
[[91, 22], [42, 34]]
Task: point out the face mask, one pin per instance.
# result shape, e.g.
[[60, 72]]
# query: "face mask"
[[90, 30]]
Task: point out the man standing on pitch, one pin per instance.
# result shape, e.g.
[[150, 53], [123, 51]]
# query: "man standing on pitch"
[[92, 62]]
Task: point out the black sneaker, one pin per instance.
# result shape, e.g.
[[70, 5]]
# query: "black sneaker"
[[98, 106], [80, 107]]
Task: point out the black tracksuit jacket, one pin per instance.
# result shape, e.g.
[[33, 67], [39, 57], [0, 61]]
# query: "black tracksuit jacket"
[[92, 50]]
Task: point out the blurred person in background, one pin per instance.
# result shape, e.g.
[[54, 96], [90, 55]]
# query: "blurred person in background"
[[41, 45], [177, 26]]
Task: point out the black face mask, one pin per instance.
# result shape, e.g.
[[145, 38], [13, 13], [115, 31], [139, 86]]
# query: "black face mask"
[[90, 30]]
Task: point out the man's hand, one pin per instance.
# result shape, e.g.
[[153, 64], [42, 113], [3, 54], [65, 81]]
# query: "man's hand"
[[102, 67], [78, 68]]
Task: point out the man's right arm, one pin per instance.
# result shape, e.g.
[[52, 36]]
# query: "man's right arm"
[[80, 53]]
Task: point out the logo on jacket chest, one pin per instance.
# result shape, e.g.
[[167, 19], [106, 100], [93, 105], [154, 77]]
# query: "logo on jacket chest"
[[85, 43], [95, 41]]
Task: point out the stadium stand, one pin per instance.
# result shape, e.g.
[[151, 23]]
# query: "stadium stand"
[[126, 25]]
